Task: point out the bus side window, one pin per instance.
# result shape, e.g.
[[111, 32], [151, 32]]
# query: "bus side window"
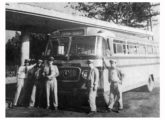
[[149, 50], [137, 49], [125, 49], [128, 52], [118, 47], [154, 50], [142, 50], [132, 48], [114, 48]]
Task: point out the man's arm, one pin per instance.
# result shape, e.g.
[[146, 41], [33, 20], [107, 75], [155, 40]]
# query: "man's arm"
[[19, 70], [104, 63], [57, 71], [96, 79], [120, 75], [31, 66]]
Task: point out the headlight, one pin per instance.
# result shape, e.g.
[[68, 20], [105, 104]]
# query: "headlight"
[[84, 74]]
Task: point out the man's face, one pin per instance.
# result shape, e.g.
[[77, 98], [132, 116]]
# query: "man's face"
[[50, 62], [113, 64], [90, 65]]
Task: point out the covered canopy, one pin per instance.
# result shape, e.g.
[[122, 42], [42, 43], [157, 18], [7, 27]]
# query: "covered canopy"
[[21, 16]]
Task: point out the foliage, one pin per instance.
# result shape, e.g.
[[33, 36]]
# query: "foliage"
[[37, 45], [134, 14], [13, 48]]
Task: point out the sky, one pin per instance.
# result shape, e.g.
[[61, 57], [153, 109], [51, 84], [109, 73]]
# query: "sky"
[[61, 7]]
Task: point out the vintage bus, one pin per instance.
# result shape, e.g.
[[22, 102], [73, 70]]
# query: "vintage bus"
[[137, 56]]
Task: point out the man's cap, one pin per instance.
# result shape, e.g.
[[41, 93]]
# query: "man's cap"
[[51, 59], [26, 61], [89, 61], [112, 61]]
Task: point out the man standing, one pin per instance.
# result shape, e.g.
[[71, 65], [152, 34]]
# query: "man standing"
[[22, 77], [94, 78], [115, 78], [51, 83], [106, 82], [37, 82]]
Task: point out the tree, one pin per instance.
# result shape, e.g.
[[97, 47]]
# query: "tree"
[[13, 47], [37, 45], [134, 14]]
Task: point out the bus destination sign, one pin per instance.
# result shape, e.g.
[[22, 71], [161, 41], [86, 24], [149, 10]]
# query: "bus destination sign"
[[72, 32]]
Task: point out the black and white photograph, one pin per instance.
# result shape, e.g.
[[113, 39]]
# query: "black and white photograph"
[[82, 59]]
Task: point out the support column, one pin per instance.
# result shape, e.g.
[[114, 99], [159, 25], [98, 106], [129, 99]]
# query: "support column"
[[25, 46]]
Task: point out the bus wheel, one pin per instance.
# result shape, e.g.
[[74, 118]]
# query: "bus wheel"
[[150, 83]]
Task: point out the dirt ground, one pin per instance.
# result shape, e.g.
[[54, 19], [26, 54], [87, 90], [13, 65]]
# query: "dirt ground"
[[137, 103]]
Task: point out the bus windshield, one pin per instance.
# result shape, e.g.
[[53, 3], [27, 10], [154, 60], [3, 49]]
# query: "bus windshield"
[[83, 46], [72, 46], [57, 46]]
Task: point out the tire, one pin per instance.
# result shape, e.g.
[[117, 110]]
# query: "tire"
[[150, 83]]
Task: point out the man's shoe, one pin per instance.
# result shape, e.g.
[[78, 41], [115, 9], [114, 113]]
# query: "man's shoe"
[[92, 113], [109, 110], [37, 106], [30, 107], [13, 106], [116, 111], [55, 109], [120, 108], [48, 107]]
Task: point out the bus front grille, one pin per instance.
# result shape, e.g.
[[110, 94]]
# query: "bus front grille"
[[69, 74]]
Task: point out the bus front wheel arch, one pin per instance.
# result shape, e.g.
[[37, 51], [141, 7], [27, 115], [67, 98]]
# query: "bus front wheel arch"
[[150, 83]]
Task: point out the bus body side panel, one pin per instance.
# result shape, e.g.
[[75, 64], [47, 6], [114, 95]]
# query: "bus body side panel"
[[137, 70]]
